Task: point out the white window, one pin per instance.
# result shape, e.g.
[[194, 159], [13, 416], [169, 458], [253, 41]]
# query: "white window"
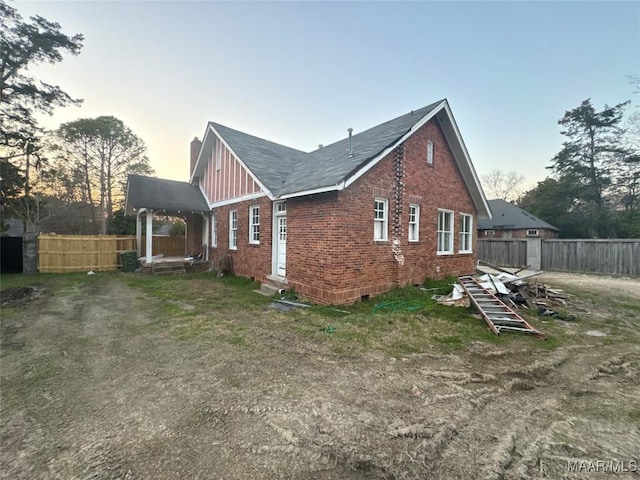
[[380, 208], [532, 233], [466, 233], [233, 230], [214, 230], [445, 231], [489, 233], [254, 225], [414, 223], [430, 152]]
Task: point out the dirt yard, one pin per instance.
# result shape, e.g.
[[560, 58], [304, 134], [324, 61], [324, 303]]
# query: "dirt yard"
[[101, 380]]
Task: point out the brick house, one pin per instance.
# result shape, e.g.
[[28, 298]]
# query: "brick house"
[[510, 221], [383, 208]]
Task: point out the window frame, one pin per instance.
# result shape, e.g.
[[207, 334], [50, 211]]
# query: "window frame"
[[430, 153], [414, 226], [384, 221], [464, 234], [536, 234], [444, 234], [214, 230], [254, 228], [233, 229]]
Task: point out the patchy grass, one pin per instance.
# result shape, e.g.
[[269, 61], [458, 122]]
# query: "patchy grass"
[[225, 309], [50, 281], [400, 322]]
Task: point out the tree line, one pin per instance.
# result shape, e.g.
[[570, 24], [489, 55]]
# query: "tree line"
[[71, 179], [593, 189]]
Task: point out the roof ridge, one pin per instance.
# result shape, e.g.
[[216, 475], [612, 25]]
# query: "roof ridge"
[[216, 124]]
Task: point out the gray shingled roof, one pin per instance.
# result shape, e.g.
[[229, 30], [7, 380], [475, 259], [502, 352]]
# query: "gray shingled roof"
[[507, 216], [270, 162], [285, 170], [330, 165], [167, 195]]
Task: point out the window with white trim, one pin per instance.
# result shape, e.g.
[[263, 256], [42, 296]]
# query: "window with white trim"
[[532, 233], [489, 233], [233, 230], [214, 230], [445, 231], [466, 233], [380, 216], [430, 152], [414, 223], [218, 154], [254, 225]]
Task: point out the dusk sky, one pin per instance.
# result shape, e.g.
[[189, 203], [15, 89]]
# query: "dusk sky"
[[301, 73]]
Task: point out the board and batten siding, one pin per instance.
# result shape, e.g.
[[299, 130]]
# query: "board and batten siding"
[[232, 180]]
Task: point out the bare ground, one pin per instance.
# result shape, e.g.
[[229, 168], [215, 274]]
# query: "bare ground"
[[94, 387]]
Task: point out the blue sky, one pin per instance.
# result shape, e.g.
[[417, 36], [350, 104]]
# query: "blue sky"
[[301, 73]]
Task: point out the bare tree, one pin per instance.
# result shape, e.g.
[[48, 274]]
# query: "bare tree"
[[507, 186]]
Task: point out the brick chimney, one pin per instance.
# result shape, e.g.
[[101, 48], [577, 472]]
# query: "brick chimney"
[[195, 150]]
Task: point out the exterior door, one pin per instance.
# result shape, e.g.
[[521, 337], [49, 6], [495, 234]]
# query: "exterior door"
[[281, 246]]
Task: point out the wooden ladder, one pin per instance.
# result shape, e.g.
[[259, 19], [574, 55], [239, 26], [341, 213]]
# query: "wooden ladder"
[[498, 316]]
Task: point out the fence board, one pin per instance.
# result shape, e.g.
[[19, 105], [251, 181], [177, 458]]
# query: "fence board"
[[610, 256], [504, 252], [167, 246], [78, 253], [606, 256]]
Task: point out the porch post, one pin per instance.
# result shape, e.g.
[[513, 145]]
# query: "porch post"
[[139, 233], [205, 237], [149, 236]]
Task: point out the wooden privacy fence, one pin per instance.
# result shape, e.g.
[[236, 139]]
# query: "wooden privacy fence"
[[615, 257], [167, 246], [81, 253], [608, 256], [503, 252]]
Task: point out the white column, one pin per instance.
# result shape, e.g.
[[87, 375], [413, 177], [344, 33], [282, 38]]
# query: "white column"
[[205, 237], [149, 236], [139, 233]]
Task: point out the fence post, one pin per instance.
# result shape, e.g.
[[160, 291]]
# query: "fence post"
[[534, 253]]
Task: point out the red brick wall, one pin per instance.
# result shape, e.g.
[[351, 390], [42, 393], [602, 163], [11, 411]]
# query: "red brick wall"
[[248, 260], [331, 254], [194, 233]]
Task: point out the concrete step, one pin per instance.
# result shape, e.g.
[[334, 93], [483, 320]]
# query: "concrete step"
[[267, 290]]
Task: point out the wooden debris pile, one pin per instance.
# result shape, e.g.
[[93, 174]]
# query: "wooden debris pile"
[[519, 290]]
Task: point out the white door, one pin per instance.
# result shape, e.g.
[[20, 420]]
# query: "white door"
[[282, 246]]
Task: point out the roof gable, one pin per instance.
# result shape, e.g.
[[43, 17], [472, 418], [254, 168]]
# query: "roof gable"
[[507, 216], [268, 162]]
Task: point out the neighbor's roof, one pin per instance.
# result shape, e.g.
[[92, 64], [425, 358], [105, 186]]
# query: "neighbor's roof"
[[507, 216], [164, 195], [285, 172]]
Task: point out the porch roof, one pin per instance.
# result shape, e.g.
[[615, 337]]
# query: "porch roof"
[[159, 194]]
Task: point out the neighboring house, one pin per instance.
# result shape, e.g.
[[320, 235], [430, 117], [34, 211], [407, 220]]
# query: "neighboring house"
[[510, 221], [383, 208]]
